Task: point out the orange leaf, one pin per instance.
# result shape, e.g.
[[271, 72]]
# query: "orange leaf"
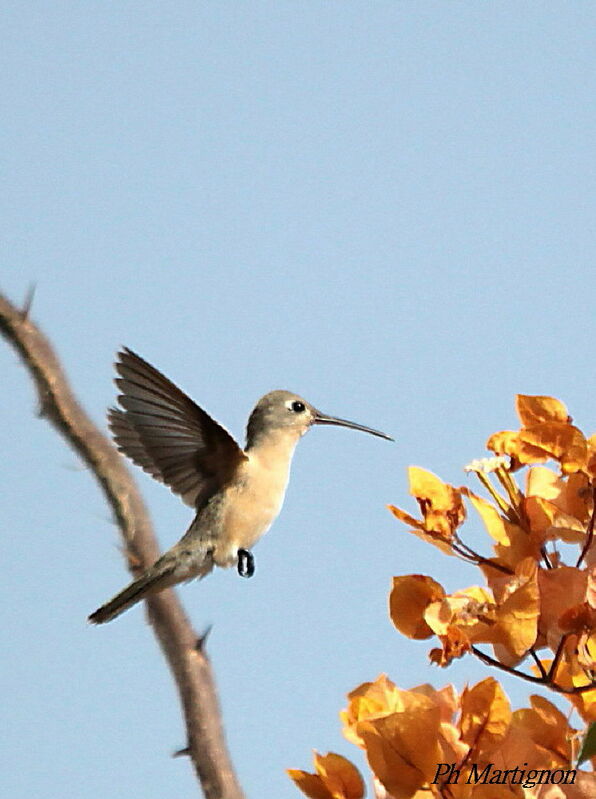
[[455, 644], [409, 598], [560, 589], [310, 784], [591, 588], [508, 442], [336, 778], [340, 776], [559, 441], [441, 504], [485, 716], [425, 485], [519, 546], [402, 748], [578, 618], [445, 698], [548, 727], [465, 609], [517, 616], [535, 409], [570, 673], [370, 700], [419, 529], [586, 651], [405, 517], [400, 779], [591, 464], [571, 495], [495, 525], [548, 521]]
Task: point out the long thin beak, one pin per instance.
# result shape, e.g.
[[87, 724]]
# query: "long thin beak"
[[322, 418]]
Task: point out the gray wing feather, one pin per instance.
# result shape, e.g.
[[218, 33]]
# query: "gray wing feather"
[[168, 435]]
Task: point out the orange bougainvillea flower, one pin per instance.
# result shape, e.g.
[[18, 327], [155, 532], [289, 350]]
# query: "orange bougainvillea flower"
[[409, 598], [546, 434], [537, 409], [547, 727], [455, 643], [485, 716], [470, 616], [402, 748], [537, 596], [561, 442], [571, 495], [441, 505], [335, 778]]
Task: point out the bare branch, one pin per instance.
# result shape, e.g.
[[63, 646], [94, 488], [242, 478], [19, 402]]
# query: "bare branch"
[[546, 679], [182, 647]]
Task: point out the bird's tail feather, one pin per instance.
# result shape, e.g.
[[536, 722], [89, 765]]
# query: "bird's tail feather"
[[148, 583]]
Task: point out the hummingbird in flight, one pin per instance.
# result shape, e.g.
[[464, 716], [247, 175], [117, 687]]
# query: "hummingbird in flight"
[[236, 493]]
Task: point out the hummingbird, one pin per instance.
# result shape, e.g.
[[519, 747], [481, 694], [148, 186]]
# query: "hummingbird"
[[236, 493]]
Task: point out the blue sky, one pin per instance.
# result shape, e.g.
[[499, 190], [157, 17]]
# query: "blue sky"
[[386, 207]]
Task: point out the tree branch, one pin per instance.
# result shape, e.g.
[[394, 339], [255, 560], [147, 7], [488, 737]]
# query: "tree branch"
[[546, 679], [182, 648]]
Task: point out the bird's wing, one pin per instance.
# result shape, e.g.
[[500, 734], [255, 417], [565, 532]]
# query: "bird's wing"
[[165, 433]]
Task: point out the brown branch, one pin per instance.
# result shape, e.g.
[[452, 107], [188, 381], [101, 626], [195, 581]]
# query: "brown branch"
[[538, 663], [546, 680], [552, 672], [471, 556], [182, 648]]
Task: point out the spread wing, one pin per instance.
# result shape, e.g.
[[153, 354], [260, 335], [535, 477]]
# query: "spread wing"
[[165, 433]]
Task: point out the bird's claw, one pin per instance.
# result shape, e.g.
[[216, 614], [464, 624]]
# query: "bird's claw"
[[246, 563]]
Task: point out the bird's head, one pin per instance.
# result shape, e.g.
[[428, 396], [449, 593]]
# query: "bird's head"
[[282, 412]]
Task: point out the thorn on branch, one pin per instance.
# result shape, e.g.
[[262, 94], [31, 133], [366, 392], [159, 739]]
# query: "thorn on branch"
[[202, 639], [25, 310], [181, 752]]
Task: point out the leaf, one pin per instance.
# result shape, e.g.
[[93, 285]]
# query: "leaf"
[[548, 522], [485, 716], [398, 777], [426, 486], [402, 748], [517, 616], [409, 598], [508, 442], [495, 525], [340, 776], [535, 409], [588, 749], [591, 588], [336, 778], [369, 700], [420, 531], [547, 727], [578, 618], [455, 643], [520, 546], [310, 784], [437, 499], [559, 441], [571, 494], [560, 589]]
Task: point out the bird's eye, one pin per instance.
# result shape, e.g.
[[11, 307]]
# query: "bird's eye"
[[298, 407]]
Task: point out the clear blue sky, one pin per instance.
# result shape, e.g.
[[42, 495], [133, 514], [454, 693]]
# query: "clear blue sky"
[[387, 207]]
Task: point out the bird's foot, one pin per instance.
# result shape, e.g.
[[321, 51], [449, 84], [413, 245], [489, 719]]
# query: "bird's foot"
[[246, 563]]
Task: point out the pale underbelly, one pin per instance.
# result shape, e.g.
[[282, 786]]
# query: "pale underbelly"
[[242, 530]]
